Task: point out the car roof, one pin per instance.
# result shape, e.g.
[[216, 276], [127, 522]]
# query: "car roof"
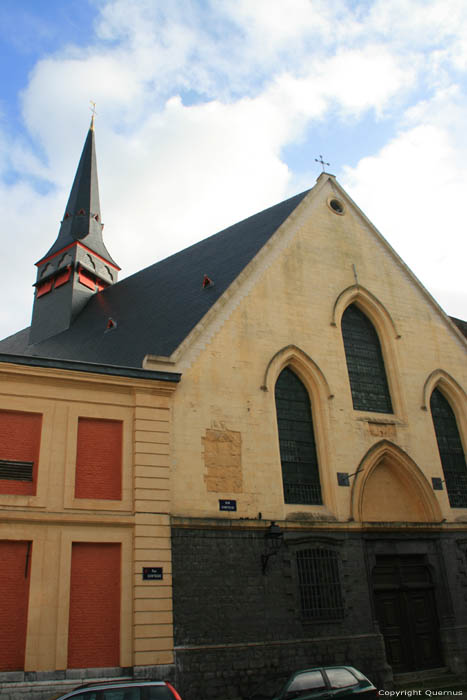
[[98, 685], [324, 668]]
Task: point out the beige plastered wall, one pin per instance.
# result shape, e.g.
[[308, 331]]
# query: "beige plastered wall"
[[285, 308], [53, 519]]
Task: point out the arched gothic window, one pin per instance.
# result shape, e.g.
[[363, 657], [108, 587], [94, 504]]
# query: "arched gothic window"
[[450, 449], [365, 364], [300, 473]]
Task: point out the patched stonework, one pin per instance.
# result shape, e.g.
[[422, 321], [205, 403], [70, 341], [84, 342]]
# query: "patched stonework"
[[223, 461], [382, 429]]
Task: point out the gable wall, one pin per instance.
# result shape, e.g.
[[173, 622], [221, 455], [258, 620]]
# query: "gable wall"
[[225, 435]]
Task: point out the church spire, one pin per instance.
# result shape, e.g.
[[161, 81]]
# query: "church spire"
[[78, 264], [82, 217]]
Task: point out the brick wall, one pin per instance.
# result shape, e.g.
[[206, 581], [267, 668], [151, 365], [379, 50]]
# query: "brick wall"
[[14, 598], [94, 621], [20, 436], [99, 459]]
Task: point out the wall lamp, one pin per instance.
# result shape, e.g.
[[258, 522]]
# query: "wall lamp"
[[273, 541]]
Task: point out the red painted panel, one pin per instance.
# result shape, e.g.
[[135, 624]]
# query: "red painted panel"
[[63, 277], [20, 437], [94, 621], [99, 459], [43, 288], [101, 285], [14, 599], [86, 279]]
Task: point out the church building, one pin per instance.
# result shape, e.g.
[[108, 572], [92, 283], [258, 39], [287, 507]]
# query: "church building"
[[241, 461]]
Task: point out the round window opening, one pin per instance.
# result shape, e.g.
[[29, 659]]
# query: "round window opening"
[[336, 206]]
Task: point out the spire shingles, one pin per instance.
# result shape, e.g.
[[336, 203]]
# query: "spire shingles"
[[82, 217]]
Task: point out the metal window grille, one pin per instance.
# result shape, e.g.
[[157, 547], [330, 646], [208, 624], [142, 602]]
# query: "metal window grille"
[[365, 364], [16, 471], [319, 584], [300, 472], [450, 450]]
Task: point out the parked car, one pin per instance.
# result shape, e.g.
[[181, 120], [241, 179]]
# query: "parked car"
[[122, 690], [327, 682]]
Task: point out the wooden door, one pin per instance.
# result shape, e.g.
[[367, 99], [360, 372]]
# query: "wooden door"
[[406, 612], [424, 629]]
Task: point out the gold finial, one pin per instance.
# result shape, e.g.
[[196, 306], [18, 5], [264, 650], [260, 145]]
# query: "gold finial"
[[93, 110]]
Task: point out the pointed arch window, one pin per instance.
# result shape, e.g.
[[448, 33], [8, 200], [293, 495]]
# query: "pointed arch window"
[[300, 471], [365, 364], [450, 449]]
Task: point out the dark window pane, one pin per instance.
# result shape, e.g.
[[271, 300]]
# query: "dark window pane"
[[299, 460], [319, 584], [450, 450], [365, 364]]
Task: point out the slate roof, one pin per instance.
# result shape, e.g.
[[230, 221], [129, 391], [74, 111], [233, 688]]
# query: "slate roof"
[[156, 308], [462, 325]]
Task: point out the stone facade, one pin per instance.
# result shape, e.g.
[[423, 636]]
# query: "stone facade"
[[232, 623]]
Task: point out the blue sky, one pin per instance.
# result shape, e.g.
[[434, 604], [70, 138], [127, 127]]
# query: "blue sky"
[[211, 110]]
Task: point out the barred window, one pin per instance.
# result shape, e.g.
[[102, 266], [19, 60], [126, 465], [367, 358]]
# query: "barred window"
[[450, 450], [319, 584], [300, 472], [365, 364]]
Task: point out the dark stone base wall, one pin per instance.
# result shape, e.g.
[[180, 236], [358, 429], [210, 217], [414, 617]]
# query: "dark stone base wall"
[[242, 671], [236, 627]]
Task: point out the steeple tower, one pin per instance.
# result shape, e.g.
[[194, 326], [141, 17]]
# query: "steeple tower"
[[78, 264]]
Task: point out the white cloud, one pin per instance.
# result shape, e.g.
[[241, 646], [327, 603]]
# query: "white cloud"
[[412, 190], [257, 78]]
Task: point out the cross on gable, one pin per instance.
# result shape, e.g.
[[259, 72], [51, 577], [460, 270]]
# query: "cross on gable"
[[323, 163]]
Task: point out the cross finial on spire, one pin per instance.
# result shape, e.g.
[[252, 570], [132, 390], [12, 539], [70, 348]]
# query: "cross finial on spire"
[[93, 110], [322, 162]]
